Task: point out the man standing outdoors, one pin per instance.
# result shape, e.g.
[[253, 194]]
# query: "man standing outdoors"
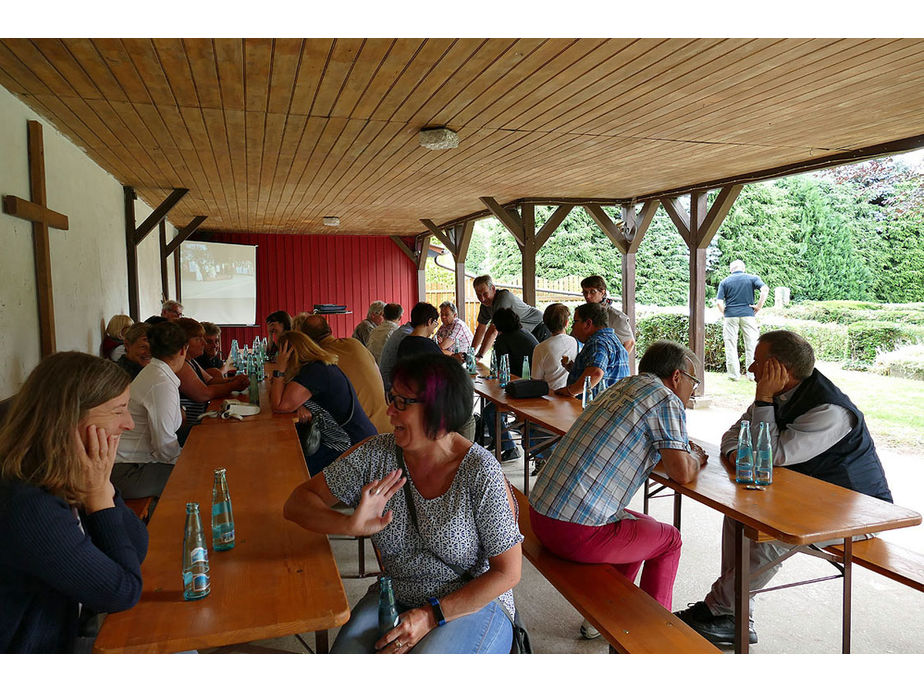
[[593, 288], [578, 505], [374, 318], [733, 300], [814, 429], [603, 357], [492, 299]]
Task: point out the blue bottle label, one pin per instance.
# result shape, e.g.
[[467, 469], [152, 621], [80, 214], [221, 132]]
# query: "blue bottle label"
[[198, 555]]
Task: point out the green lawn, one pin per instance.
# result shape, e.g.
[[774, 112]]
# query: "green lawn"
[[893, 407]]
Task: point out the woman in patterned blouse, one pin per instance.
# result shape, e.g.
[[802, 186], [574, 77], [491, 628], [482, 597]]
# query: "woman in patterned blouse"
[[453, 554]]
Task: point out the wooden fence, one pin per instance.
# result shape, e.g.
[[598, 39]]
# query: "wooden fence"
[[565, 290]]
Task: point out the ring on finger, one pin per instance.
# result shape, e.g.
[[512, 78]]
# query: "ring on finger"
[[398, 644]]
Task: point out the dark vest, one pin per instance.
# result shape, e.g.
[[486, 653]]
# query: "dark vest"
[[852, 462]]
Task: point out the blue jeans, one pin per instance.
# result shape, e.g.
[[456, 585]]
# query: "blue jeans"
[[489, 416], [485, 632]]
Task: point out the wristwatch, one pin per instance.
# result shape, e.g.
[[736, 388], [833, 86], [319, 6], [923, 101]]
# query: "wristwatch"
[[437, 611], [278, 374]]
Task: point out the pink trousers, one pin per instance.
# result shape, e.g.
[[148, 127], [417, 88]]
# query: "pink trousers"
[[626, 545]]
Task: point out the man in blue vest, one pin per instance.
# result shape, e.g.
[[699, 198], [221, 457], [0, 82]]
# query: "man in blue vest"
[[814, 429], [734, 301]]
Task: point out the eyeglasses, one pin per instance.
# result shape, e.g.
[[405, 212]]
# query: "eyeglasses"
[[399, 401], [696, 381]]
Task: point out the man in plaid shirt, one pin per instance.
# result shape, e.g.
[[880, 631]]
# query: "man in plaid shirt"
[[578, 505], [603, 358]]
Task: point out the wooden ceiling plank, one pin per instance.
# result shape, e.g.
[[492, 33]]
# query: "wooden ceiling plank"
[[146, 60], [117, 59], [218, 139], [307, 137], [57, 53], [229, 63], [415, 73], [336, 72], [455, 88], [140, 158], [92, 63], [28, 54], [258, 58], [198, 134], [202, 89], [315, 53], [287, 53], [163, 148], [236, 133], [367, 62], [274, 127], [174, 59], [400, 53]]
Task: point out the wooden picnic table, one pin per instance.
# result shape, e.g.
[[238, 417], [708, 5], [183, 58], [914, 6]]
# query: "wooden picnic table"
[[796, 508], [278, 580]]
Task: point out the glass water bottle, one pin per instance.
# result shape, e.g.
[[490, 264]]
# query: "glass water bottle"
[[587, 396], [195, 557], [763, 470], [525, 371], [388, 613], [222, 516]]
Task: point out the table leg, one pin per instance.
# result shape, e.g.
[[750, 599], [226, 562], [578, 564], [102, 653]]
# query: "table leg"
[[848, 576], [526, 458], [645, 497], [320, 642], [497, 433], [677, 499], [742, 589]]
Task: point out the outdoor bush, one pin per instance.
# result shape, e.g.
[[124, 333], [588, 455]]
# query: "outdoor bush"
[[867, 339], [676, 328], [905, 362]]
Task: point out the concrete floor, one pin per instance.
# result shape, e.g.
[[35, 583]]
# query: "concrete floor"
[[887, 616]]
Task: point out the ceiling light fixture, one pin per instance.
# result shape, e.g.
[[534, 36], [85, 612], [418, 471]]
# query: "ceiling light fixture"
[[331, 221], [438, 138]]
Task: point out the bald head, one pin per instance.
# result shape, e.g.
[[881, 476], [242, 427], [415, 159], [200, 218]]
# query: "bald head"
[[316, 327]]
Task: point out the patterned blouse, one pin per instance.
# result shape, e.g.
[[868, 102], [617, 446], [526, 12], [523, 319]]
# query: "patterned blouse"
[[456, 330], [470, 523]]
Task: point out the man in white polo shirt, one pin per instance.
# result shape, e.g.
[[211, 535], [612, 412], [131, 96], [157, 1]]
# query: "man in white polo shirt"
[[145, 458]]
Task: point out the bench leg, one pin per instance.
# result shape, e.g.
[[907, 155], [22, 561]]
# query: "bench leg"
[[848, 575], [742, 589], [525, 442], [646, 495], [320, 642]]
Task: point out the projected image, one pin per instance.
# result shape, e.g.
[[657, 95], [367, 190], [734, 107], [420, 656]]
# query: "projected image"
[[219, 282]]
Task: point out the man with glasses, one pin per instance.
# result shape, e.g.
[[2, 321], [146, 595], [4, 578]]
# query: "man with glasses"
[[603, 358], [171, 310], [593, 288], [578, 504]]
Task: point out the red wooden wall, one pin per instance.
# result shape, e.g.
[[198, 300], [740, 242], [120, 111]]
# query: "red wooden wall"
[[294, 272]]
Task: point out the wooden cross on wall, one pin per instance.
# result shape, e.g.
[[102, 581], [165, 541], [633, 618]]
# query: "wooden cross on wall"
[[42, 218]]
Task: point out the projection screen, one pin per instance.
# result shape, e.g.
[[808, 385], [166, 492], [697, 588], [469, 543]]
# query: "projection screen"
[[219, 282]]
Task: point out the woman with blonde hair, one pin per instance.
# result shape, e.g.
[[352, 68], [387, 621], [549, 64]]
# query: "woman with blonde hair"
[[307, 379], [113, 346], [69, 548]]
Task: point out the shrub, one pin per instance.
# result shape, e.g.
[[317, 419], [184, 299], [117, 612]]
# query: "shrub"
[[676, 328], [868, 338], [905, 362]]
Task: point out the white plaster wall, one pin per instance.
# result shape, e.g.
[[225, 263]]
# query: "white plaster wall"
[[89, 275]]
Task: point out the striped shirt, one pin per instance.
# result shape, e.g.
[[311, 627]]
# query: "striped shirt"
[[604, 351], [609, 451]]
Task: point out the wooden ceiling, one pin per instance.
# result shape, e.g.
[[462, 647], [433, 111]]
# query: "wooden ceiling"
[[271, 135]]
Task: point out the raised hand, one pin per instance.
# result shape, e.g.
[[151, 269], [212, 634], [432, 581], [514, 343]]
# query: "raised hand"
[[368, 519], [771, 380], [97, 454]]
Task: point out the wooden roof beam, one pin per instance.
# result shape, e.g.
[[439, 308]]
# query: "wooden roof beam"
[[508, 217], [608, 226], [155, 217]]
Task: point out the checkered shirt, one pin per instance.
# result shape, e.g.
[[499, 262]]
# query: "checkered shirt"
[[609, 451], [603, 350]]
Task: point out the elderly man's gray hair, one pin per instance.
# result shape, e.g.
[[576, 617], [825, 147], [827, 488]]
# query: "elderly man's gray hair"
[[736, 266], [375, 308], [450, 305], [792, 350]]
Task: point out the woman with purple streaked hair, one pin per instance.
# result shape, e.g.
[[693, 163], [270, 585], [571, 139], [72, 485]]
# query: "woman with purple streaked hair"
[[439, 512]]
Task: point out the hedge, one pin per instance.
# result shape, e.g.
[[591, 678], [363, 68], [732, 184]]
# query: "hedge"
[[871, 337]]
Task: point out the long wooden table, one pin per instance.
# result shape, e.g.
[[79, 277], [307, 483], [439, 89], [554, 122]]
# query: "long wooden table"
[[797, 509], [278, 580]]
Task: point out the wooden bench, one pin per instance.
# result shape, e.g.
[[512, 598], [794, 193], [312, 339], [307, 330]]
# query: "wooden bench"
[[895, 562], [141, 507], [630, 620]]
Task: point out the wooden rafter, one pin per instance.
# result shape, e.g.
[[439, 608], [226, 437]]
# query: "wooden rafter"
[[155, 217], [509, 218], [608, 226], [552, 223], [183, 234]]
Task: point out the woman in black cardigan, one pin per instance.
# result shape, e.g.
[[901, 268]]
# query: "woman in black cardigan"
[[69, 548]]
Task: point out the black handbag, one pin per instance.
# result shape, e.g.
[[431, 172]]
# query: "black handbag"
[[520, 643], [522, 389], [310, 436]]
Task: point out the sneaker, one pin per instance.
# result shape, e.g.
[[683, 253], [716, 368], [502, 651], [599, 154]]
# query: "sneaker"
[[719, 630], [538, 464], [588, 632], [511, 454]]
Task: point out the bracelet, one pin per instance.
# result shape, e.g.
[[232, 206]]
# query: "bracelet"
[[761, 403], [278, 374], [437, 611]]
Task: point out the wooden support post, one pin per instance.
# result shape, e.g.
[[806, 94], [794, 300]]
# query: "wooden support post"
[[423, 250], [131, 253], [164, 287], [528, 252], [42, 218], [697, 229], [176, 278]]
